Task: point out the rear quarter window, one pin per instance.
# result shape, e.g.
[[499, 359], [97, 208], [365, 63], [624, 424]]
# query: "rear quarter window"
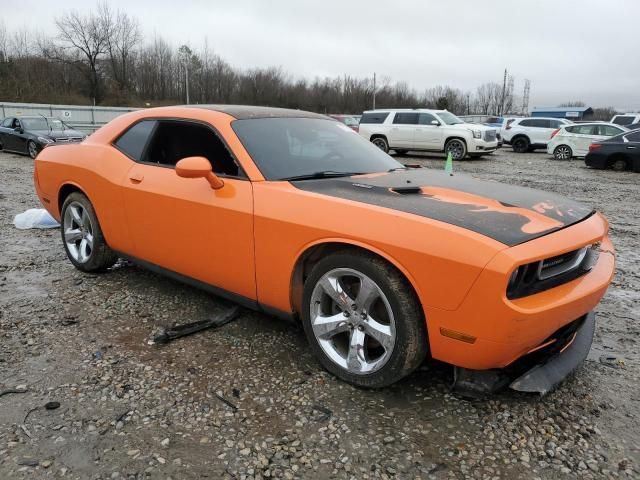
[[374, 117], [133, 142]]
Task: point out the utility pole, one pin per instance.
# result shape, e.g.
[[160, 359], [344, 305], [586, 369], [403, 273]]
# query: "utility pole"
[[525, 97], [186, 75], [374, 90], [504, 91]]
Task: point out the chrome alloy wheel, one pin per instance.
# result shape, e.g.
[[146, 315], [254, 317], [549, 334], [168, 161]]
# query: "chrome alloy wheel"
[[352, 321], [78, 232], [33, 149], [562, 152]]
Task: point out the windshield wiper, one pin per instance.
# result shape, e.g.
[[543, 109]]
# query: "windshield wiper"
[[322, 174]]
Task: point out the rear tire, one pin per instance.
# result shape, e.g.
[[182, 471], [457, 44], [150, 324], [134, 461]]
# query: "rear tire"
[[521, 144], [619, 164], [343, 322], [563, 152], [381, 143], [82, 236]]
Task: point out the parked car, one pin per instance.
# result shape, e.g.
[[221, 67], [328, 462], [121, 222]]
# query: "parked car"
[[621, 152], [30, 134], [529, 134], [633, 126], [349, 120], [626, 119], [290, 213], [426, 130], [571, 141]]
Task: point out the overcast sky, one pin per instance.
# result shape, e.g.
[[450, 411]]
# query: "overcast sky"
[[570, 49]]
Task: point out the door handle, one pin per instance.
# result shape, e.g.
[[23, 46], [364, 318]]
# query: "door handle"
[[136, 177], [631, 148]]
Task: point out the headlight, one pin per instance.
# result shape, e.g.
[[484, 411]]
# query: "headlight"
[[45, 140], [477, 134]]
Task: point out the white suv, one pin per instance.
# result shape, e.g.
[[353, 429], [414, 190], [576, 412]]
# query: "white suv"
[[426, 130], [573, 140], [528, 134]]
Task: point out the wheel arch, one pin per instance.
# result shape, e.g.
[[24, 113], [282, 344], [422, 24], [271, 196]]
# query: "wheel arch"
[[314, 252], [67, 189], [457, 137], [619, 156], [373, 136], [520, 135]]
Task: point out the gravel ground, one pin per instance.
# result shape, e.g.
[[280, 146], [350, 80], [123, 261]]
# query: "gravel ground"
[[249, 401]]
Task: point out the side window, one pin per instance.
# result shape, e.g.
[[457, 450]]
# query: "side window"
[[527, 123], [426, 119], [585, 129], [8, 122], [406, 119], [556, 123], [133, 142], [608, 130], [17, 124], [540, 123], [174, 140], [374, 117]]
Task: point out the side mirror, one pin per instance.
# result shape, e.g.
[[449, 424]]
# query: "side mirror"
[[435, 122], [198, 167], [18, 130]]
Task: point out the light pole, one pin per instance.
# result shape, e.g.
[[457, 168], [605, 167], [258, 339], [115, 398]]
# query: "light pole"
[[374, 90]]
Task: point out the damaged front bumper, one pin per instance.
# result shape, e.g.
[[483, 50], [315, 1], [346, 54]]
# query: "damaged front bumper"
[[540, 371]]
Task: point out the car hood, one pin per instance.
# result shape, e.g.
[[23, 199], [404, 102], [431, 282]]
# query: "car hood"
[[508, 214], [56, 134]]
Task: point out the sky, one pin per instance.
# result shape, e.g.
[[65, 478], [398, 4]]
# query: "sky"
[[570, 49]]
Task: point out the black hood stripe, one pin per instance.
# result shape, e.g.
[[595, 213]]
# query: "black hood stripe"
[[506, 213]]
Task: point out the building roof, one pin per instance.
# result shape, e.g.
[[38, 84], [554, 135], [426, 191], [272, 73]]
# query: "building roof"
[[241, 112], [561, 109]]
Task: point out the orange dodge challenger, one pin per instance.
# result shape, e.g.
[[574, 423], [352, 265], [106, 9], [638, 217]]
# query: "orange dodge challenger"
[[294, 214]]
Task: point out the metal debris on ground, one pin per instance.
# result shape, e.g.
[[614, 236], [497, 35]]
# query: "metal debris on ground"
[[178, 331]]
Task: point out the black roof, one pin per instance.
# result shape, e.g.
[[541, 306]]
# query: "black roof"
[[241, 112]]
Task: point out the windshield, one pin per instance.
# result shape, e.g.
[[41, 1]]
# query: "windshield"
[[41, 124], [449, 118], [291, 147]]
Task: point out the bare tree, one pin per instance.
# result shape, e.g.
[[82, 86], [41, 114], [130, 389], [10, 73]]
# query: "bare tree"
[[82, 42], [123, 39]]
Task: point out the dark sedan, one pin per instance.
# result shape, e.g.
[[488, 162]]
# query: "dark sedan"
[[30, 134], [621, 152]]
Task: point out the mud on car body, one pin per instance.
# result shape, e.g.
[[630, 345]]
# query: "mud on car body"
[[384, 265]]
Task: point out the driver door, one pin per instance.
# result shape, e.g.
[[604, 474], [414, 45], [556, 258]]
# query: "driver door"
[[182, 224], [427, 135]]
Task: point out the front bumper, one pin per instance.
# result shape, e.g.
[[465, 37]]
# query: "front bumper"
[[479, 145], [501, 330], [538, 372]]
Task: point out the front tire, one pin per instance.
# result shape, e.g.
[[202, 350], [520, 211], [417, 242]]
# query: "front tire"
[[457, 148], [363, 320], [521, 145], [562, 152], [32, 149], [82, 236], [381, 143]]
